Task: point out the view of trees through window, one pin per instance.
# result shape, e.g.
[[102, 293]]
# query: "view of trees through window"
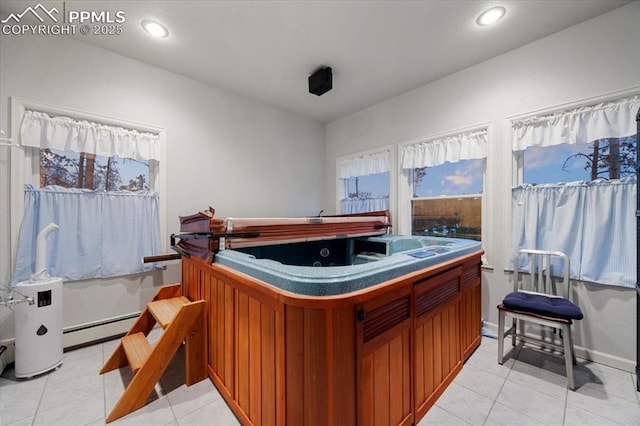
[[613, 158], [365, 193], [447, 200], [89, 171], [368, 186]]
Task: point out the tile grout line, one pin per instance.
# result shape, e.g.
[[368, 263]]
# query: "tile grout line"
[[515, 358], [46, 382], [493, 404], [446, 411], [495, 400]]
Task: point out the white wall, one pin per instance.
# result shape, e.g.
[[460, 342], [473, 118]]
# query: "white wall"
[[591, 59], [240, 156], [251, 159]]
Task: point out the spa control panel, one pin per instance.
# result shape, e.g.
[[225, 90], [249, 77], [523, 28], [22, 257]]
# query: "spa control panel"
[[428, 252]]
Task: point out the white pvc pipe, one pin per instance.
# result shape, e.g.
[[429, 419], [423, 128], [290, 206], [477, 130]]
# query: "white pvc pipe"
[[41, 247]]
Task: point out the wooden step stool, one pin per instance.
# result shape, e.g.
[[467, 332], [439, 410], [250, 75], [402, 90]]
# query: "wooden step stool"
[[181, 320]]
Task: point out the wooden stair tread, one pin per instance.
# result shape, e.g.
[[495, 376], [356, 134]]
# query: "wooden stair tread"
[[182, 320], [137, 349], [166, 309]]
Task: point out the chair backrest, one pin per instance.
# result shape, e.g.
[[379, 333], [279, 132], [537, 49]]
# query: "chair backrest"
[[538, 271]]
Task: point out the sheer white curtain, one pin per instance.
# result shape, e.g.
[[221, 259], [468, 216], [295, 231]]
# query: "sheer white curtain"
[[349, 206], [453, 148], [102, 234], [39, 130], [358, 166], [592, 222]]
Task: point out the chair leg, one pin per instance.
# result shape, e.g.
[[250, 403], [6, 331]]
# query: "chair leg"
[[568, 356], [573, 350], [515, 331], [500, 336]]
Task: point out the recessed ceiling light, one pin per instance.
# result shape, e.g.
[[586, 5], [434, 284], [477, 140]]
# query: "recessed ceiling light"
[[154, 28], [491, 16]]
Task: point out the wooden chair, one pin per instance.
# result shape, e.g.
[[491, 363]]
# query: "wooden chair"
[[538, 298]]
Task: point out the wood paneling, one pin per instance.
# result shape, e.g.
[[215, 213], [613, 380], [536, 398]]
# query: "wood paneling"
[[242, 350], [471, 308], [386, 384], [242, 344], [255, 360], [384, 359], [294, 360], [438, 344], [438, 354], [220, 301], [343, 367], [191, 282], [268, 366], [315, 367], [320, 366]]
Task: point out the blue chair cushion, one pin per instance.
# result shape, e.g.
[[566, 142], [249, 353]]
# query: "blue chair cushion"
[[543, 305]]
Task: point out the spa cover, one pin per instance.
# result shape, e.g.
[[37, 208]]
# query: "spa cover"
[[205, 234]]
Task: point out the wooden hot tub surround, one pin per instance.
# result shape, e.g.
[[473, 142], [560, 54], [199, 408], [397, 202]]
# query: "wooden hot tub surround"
[[377, 356]]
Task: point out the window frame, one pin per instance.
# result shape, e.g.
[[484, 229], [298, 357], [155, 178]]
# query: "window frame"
[[405, 183], [392, 177], [518, 156], [25, 164]]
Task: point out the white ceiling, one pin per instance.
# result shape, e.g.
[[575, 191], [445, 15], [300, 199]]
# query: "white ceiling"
[[265, 50]]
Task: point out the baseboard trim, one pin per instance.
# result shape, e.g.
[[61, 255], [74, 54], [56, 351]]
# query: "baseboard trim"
[[80, 335], [592, 355], [89, 333]]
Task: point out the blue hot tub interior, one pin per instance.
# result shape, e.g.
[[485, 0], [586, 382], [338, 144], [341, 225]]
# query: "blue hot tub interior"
[[338, 266]]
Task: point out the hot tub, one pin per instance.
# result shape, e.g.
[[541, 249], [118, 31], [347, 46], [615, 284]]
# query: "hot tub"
[[339, 266], [354, 330]]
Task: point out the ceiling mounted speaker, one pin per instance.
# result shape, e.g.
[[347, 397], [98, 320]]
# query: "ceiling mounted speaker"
[[321, 81]]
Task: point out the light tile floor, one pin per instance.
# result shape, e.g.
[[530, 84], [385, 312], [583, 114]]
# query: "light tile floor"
[[529, 389]]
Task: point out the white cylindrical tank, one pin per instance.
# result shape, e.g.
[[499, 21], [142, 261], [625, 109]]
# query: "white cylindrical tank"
[[39, 327]]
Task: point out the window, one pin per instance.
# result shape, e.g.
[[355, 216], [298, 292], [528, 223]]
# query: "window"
[[97, 178], [610, 158], [366, 193], [444, 178], [90, 171], [368, 186], [578, 188], [364, 182], [447, 200]]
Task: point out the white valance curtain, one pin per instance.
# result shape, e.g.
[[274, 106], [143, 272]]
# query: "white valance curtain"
[[614, 119], [39, 130], [363, 165], [462, 146], [592, 222], [102, 234]]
